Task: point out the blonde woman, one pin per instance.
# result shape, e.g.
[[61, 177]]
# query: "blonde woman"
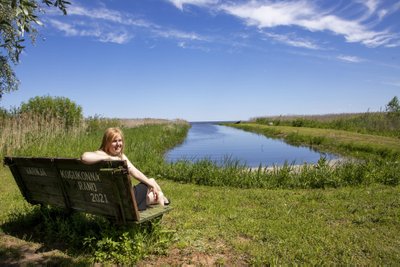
[[112, 148]]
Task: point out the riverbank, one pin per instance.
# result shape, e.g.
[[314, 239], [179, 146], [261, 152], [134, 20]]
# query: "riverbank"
[[330, 140]]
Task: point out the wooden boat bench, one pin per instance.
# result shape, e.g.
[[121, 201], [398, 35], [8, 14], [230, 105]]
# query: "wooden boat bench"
[[103, 188]]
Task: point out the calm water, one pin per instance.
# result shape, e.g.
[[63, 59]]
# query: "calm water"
[[215, 142]]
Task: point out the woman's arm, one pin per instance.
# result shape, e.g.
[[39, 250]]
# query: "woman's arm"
[[151, 183], [96, 156]]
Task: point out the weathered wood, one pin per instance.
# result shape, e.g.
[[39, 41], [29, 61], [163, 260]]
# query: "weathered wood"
[[103, 188]]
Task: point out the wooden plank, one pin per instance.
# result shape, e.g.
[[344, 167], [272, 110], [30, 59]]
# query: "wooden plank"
[[54, 200], [153, 212], [128, 202], [102, 209], [27, 171]]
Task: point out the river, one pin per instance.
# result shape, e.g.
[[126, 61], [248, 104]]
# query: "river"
[[219, 143]]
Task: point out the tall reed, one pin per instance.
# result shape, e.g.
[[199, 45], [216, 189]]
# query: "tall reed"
[[24, 130]]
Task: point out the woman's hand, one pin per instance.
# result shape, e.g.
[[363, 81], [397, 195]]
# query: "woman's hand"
[[153, 187]]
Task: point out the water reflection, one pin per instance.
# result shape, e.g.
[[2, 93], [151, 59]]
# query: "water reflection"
[[216, 142]]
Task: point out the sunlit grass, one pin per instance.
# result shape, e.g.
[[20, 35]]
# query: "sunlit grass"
[[352, 225]]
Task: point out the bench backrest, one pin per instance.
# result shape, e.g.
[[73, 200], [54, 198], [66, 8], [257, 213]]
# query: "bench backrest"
[[103, 188]]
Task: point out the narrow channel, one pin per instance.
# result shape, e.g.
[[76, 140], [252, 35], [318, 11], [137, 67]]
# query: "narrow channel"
[[219, 143]]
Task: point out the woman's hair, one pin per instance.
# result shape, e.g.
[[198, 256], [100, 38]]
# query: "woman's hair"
[[108, 137]]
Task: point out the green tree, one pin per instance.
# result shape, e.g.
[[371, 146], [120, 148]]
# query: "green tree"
[[18, 19], [393, 106]]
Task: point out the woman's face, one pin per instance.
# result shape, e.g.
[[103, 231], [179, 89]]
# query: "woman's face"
[[116, 145]]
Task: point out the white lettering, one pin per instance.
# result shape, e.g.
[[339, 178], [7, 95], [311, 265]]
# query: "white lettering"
[[80, 175], [99, 198], [85, 186], [35, 171]]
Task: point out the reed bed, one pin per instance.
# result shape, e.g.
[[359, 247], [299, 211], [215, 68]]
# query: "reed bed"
[[32, 130], [377, 123], [131, 123]]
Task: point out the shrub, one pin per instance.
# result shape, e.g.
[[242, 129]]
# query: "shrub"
[[54, 107]]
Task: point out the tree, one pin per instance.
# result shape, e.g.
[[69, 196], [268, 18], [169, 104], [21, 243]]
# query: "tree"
[[393, 106], [18, 18]]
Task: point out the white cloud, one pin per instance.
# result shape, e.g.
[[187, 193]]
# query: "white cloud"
[[351, 59], [112, 37], [293, 41], [303, 14], [180, 3], [179, 35], [272, 14], [371, 5], [108, 15], [68, 29], [100, 34]]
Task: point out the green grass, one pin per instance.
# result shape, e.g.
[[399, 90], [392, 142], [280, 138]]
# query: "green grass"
[[347, 215], [353, 225]]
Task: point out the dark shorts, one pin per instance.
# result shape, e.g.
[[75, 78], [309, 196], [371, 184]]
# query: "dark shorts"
[[140, 191]]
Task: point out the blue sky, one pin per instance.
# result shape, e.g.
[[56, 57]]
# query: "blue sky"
[[214, 59]]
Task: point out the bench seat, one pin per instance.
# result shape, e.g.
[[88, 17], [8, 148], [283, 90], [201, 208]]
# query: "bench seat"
[[103, 188]]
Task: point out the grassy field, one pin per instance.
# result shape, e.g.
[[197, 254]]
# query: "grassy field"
[[353, 223]]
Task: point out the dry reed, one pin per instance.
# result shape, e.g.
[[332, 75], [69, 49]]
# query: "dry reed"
[[18, 131], [131, 123]]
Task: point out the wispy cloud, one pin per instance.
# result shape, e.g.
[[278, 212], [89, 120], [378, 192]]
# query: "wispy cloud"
[[114, 26], [306, 15], [110, 16], [292, 40], [101, 35], [303, 14], [175, 34], [180, 3], [351, 59], [371, 5]]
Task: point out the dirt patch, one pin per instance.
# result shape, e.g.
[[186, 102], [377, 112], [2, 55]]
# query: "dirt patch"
[[17, 252], [184, 257]]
